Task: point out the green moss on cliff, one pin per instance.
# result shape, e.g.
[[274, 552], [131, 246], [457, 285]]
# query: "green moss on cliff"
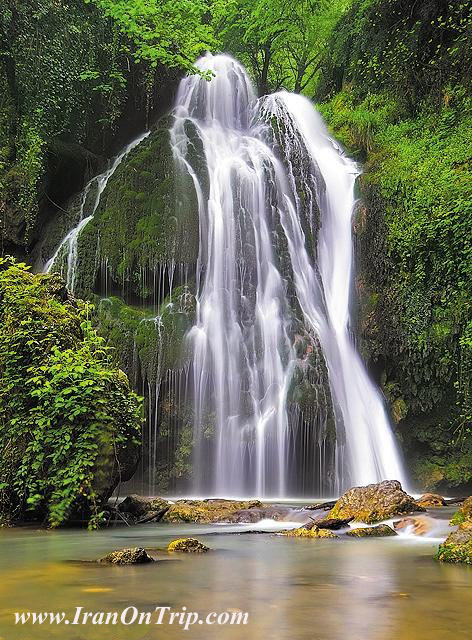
[[147, 216], [396, 94]]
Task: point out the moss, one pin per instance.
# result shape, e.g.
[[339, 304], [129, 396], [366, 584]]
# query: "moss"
[[381, 530], [148, 343], [127, 556], [147, 216], [187, 545], [458, 546], [206, 511], [374, 503]]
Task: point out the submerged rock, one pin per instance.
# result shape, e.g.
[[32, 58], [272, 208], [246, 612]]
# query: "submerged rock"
[[431, 500], [313, 532], [188, 545], [381, 530], [207, 511], [127, 556], [374, 502], [420, 526]]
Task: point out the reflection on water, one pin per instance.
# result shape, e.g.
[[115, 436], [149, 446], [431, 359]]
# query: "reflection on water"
[[293, 589]]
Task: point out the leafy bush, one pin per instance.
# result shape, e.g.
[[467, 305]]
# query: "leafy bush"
[[69, 423]]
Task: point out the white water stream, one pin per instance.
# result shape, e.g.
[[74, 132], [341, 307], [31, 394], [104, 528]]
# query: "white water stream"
[[243, 356], [65, 257]]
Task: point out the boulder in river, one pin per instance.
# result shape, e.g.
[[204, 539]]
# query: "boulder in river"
[[207, 511], [255, 514], [458, 545], [330, 523], [127, 556], [464, 513], [379, 531], [431, 500], [188, 545], [144, 509], [374, 502], [313, 532]]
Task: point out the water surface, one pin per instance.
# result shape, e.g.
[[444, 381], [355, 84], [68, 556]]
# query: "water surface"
[[378, 589]]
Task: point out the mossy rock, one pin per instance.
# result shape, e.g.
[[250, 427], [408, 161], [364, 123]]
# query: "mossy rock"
[[147, 216], [188, 545], [457, 548], [464, 513], [431, 500], [139, 506], [374, 502], [134, 555], [206, 511], [313, 532], [380, 531]]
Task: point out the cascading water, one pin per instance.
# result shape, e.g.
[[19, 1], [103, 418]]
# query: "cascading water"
[[272, 175], [66, 255]]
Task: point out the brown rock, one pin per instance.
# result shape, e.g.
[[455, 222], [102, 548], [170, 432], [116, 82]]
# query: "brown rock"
[[374, 503], [330, 523], [431, 500], [188, 545], [381, 530], [127, 556], [206, 511]]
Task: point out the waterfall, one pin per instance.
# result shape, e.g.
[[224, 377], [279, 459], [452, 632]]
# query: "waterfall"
[[66, 254], [273, 180]]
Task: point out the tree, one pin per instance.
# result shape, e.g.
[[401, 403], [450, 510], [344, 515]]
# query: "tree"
[[170, 32], [282, 42]]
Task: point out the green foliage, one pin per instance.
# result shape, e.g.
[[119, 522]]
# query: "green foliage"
[[280, 42], [67, 415], [61, 66], [410, 50], [169, 32], [404, 109]]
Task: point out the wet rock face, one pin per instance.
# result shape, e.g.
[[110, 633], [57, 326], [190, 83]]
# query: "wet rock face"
[[381, 530], [127, 556], [188, 545], [313, 532], [206, 511], [458, 545], [374, 503], [431, 500]]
